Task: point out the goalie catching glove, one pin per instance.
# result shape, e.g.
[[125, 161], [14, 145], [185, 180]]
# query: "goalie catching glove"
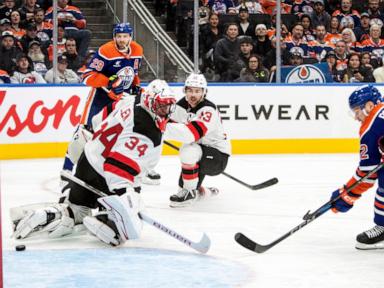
[[54, 219], [120, 221]]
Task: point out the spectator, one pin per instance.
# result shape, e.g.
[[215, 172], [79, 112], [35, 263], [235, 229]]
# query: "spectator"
[[4, 77], [74, 23], [209, 35], [362, 32], [378, 74], [246, 47], [31, 35], [374, 12], [295, 59], [261, 44], [307, 25], [355, 72], [5, 25], [85, 63], [341, 55], [8, 52], [74, 61], [24, 73], [347, 11], [366, 60], [40, 61], [297, 41], [319, 47], [270, 59], [245, 28], [226, 52], [253, 6], [220, 6], [255, 71], [319, 16], [6, 10], [16, 29], [331, 60], [349, 38], [374, 44], [60, 44], [44, 28], [63, 75], [27, 11]]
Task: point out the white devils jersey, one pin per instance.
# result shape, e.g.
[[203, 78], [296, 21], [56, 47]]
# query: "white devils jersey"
[[201, 124], [124, 145]]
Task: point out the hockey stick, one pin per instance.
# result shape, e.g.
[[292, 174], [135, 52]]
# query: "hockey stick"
[[308, 218], [261, 185], [202, 246]]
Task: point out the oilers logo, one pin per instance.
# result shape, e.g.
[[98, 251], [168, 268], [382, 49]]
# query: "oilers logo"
[[126, 75], [305, 74]]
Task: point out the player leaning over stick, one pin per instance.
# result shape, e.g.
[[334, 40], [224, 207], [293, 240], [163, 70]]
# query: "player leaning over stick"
[[206, 146], [123, 147], [366, 104]]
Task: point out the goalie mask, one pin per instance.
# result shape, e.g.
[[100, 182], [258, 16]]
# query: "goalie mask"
[[159, 100]]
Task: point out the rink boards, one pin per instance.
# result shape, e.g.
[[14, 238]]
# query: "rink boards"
[[38, 121]]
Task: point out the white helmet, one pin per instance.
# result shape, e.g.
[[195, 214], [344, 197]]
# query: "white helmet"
[[156, 86], [196, 80]]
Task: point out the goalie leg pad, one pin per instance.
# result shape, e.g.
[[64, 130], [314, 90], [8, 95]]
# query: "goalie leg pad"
[[77, 143], [103, 229], [123, 211]]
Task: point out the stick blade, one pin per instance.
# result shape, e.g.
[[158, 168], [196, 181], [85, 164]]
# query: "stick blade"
[[203, 245], [265, 184], [250, 244]]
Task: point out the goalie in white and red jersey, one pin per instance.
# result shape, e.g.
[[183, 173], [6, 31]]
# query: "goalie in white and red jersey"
[[206, 146], [125, 145]]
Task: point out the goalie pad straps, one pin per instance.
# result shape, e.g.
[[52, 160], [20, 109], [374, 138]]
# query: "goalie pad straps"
[[123, 211]]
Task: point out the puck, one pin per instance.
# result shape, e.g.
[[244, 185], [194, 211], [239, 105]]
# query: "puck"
[[20, 247]]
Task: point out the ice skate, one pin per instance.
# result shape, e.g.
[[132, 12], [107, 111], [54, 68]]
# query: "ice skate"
[[371, 239], [184, 197], [151, 178]]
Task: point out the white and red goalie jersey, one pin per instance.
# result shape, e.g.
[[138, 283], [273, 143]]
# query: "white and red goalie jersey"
[[124, 145], [201, 124]]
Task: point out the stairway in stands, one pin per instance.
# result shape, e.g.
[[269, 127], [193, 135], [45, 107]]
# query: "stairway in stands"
[[99, 20]]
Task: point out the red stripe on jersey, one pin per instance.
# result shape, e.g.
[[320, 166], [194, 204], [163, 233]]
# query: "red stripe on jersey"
[[126, 161], [118, 171], [378, 205], [190, 176], [198, 129]]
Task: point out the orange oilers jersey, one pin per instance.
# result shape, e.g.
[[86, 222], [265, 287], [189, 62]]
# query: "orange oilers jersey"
[[370, 132], [109, 61]]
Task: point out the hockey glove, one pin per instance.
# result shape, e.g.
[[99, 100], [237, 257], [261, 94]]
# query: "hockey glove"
[[345, 202], [135, 90], [115, 87]]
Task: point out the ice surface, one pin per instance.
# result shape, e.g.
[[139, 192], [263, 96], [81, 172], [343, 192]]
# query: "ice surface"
[[320, 255]]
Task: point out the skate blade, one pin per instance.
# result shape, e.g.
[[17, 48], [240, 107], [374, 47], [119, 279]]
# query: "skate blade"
[[362, 246]]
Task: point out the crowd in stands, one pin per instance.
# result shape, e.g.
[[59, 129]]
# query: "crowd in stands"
[[26, 48], [237, 37]]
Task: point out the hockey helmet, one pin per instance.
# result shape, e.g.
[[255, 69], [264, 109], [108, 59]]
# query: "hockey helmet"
[[196, 80], [159, 100], [122, 28], [362, 95]]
